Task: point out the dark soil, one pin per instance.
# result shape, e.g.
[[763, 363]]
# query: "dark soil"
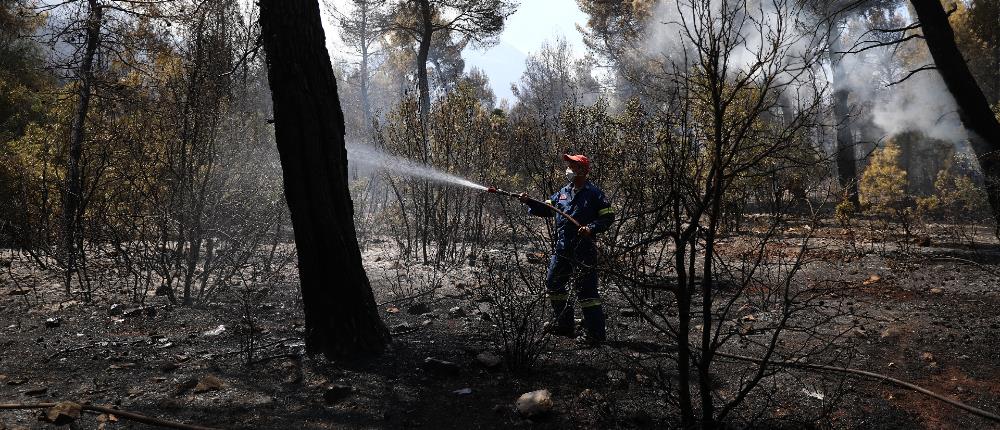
[[930, 315]]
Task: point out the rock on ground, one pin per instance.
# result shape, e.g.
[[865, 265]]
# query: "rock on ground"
[[534, 403]]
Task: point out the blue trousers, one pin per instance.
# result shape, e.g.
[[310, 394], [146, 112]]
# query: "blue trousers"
[[580, 260]]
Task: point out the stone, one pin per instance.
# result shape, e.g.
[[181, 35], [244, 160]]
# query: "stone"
[[63, 413], [169, 366], [440, 367], [418, 309], [336, 393], [872, 279], [116, 309], [891, 332], [927, 357], [488, 359], [215, 331], [138, 312], [185, 386], [534, 403], [208, 383], [630, 312], [34, 392], [456, 312], [53, 322], [402, 327], [536, 258], [937, 291], [616, 377]]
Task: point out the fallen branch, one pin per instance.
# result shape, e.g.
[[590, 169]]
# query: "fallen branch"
[[880, 377], [116, 412], [67, 351]]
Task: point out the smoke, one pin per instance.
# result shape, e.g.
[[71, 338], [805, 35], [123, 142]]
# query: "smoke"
[[758, 29], [921, 103], [368, 156], [775, 43]]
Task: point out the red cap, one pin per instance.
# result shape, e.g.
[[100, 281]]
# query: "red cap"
[[579, 158]]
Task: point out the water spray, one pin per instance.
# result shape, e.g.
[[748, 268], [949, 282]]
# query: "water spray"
[[373, 157]]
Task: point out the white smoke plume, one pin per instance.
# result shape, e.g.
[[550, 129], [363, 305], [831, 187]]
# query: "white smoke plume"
[[921, 103]]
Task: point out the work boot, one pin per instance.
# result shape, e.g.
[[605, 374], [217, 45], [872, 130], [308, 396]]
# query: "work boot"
[[562, 319], [593, 322], [587, 340], [556, 329]]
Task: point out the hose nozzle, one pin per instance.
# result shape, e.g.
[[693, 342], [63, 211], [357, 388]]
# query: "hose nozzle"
[[491, 190]]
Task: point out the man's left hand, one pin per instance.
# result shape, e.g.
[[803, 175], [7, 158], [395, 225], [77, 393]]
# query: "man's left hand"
[[584, 231]]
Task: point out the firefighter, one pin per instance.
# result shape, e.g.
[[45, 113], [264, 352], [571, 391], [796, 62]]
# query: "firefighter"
[[575, 250]]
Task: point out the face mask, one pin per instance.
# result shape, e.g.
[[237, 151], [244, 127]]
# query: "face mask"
[[570, 174]]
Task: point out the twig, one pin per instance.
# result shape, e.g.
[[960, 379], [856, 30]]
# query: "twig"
[[404, 299], [912, 72], [116, 412], [407, 331], [880, 377], [68, 350]]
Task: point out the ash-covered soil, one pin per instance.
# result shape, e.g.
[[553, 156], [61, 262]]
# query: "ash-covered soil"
[[925, 311]]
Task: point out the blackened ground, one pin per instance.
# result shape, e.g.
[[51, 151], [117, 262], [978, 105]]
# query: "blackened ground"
[[931, 316]]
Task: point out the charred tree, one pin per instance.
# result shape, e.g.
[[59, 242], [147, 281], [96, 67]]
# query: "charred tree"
[[973, 108], [73, 187], [340, 312], [847, 168], [423, 50]]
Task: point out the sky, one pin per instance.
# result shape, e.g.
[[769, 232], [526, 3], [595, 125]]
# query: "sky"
[[534, 23]]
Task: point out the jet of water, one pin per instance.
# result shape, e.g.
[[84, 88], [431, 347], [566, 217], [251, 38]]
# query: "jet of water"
[[372, 157]]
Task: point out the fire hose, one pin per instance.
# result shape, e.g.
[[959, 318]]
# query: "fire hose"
[[495, 190]]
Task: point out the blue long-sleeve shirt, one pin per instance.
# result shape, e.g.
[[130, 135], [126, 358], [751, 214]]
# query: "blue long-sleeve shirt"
[[588, 206]]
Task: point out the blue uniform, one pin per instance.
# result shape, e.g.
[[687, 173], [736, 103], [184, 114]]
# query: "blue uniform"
[[589, 207]]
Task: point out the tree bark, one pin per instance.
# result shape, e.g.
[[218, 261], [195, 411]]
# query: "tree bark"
[[847, 170], [340, 312], [423, 51], [973, 108], [73, 191]]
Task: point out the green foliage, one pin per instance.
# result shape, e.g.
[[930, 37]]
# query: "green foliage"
[[957, 198], [845, 212], [882, 188]]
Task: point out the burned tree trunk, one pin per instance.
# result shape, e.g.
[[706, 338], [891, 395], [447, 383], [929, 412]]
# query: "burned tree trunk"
[[973, 109], [423, 51], [340, 312], [73, 188], [847, 169]]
